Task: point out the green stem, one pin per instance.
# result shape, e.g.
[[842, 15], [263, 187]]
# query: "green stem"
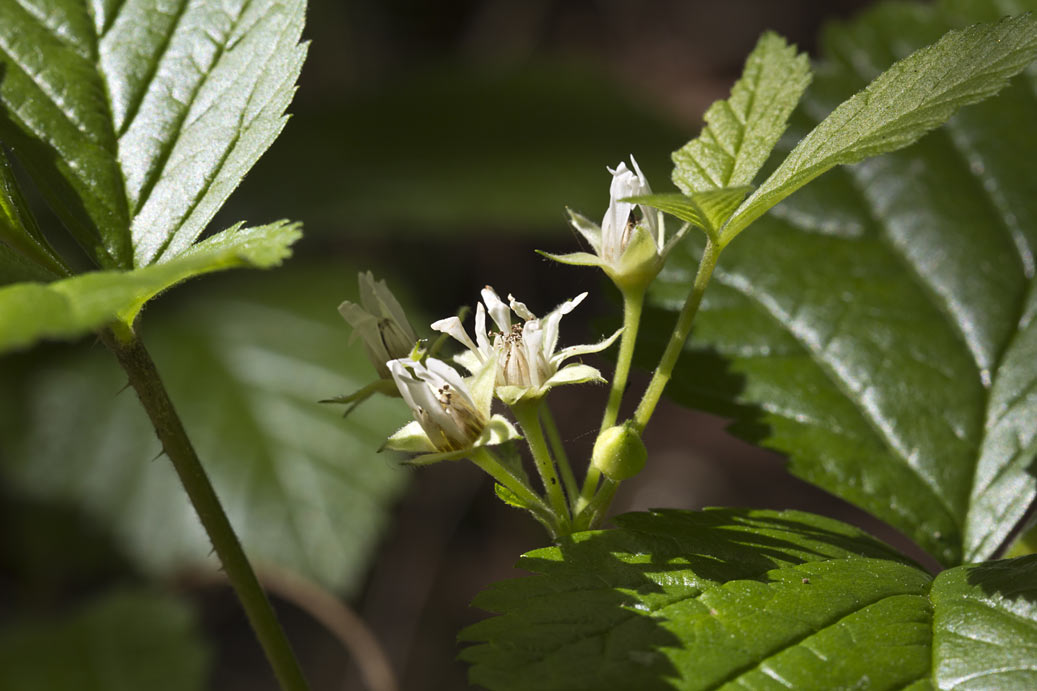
[[144, 378], [486, 460], [558, 449], [592, 515], [590, 486], [633, 301], [664, 370], [527, 414]]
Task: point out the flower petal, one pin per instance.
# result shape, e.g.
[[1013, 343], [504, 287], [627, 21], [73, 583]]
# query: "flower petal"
[[469, 360], [520, 308], [499, 312], [550, 322], [453, 327], [590, 230]]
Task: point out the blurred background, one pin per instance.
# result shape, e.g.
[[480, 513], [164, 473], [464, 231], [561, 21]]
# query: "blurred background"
[[437, 144]]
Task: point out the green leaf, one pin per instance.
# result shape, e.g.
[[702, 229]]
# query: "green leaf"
[[985, 626], [129, 639], [707, 210], [18, 230], [138, 119], [911, 98], [72, 307], [724, 598], [741, 131], [303, 487], [888, 341]]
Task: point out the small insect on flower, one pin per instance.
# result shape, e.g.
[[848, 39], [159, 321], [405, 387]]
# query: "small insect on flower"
[[527, 363]]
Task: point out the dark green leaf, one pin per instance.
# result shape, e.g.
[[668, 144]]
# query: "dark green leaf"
[[70, 308], [18, 230], [725, 598], [912, 97], [707, 210], [127, 640], [880, 324], [741, 131], [303, 487], [138, 119], [985, 626]]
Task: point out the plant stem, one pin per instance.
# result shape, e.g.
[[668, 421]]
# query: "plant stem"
[[558, 449], [527, 414], [633, 301], [483, 458], [664, 370], [144, 378], [591, 516], [590, 486]]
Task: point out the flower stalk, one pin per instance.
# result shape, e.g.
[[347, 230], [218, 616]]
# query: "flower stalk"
[[144, 378], [528, 416]]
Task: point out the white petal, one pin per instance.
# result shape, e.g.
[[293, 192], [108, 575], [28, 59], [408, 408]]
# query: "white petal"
[[470, 360], [365, 281], [499, 312], [480, 330], [550, 322], [587, 228], [453, 327], [520, 308]]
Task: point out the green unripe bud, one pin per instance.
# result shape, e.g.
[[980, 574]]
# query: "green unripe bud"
[[619, 452]]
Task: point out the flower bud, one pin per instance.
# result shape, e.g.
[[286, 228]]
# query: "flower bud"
[[619, 452]]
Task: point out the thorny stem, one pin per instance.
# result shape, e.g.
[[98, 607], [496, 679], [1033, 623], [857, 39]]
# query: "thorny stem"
[[633, 300], [526, 412], [664, 370], [144, 378], [558, 449], [483, 458]]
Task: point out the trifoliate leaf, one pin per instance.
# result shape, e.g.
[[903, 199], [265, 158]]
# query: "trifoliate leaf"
[[724, 598], [303, 487], [741, 131], [881, 325], [911, 98], [72, 307], [138, 119], [131, 639], [985, 626]]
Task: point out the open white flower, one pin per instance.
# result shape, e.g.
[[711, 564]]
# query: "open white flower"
[[451, 415], [526, 362], [630, 244], [380, 322]]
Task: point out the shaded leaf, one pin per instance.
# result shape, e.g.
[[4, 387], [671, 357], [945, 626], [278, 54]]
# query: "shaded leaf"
[[72, 307], [911, 98], [138, 119], [726, 598], [985, 626], [19, 232], [880, 324], [130, 639], [741, 131], [302, 487], [707, 210]]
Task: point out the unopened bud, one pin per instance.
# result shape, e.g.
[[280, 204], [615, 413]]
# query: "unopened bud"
[[619, 452]]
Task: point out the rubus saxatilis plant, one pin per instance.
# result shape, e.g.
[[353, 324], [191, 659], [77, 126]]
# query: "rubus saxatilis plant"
[[729, 598]]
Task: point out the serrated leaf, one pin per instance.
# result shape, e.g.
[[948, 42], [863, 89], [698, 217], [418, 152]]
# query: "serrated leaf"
[[303, 487], [888, 343], [724, 598], [138, 119], [911, 98], [985, 626], [72, 307], [707, 210], [741, 131], [129, 639]]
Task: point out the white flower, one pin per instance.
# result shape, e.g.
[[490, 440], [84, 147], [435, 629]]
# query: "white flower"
[[451, 416], [630, 244], [380, 322], [526, 362]]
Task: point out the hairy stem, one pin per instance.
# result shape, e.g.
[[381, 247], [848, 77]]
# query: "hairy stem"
[[144, 378], [558, 449], [633, 301], [664, 370], [485, 459], [527, 414]]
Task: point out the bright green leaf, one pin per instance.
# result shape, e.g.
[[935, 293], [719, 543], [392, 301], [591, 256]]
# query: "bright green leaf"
[[911, 98], [741, 131], [303, 487], [72, 307], [125, 640], [138, 119], [985, 626], [881, 324], [724, 598], [707, 210]]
